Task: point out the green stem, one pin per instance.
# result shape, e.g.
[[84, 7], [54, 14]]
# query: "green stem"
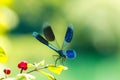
[[36, 69], [5, 75], [21, 70]]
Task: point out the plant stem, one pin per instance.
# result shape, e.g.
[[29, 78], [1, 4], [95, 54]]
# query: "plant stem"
[[5, 76], [21, 70], [36, 69]]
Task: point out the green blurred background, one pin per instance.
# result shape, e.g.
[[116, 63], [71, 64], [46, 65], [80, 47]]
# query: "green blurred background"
[[96, 35]]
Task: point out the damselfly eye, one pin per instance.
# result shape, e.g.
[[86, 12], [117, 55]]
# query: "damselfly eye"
[[48, 33]]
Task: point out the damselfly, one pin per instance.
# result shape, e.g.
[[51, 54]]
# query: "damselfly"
[[49, 37]]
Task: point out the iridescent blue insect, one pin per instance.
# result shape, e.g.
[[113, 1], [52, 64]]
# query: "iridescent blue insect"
[[49, 36]]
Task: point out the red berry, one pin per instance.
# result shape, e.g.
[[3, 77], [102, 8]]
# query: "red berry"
[[7, 71], [22, 65]]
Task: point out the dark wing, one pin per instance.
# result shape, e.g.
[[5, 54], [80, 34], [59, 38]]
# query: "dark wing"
[[48, 33], [69, 34]]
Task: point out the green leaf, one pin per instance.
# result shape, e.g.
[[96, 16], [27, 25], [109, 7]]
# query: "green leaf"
[[50, 77], [25, 77], [3, 56], [41, 63], [9, 79], [1, 78], [30, 65], [57, 69]]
